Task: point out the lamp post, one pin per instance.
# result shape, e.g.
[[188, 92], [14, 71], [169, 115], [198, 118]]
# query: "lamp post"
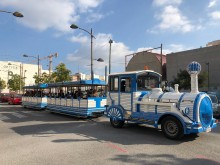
[[38, 63], [110, 52], [208, 73], [73, 26], [24, 76], [16, 14]]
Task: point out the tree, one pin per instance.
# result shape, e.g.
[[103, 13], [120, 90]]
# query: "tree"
[[2, 84], [44, 78], [61, 74], [184, 80], [14, 82]]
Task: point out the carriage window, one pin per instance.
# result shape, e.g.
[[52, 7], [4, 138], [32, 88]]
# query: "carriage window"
[[147, 81], [126, 84], [113, 83]]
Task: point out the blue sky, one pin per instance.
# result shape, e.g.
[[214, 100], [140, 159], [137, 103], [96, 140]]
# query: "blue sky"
[[132, 25]]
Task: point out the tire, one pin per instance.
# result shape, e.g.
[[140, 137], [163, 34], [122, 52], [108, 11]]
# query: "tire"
[[116, 116], [116, 123], [172, 128]]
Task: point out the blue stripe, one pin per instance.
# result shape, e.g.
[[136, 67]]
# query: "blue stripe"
[[158, 100], [180, 100], [139, 99]]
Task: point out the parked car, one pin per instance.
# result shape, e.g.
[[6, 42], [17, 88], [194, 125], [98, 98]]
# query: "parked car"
[[15, 99], [4, 97], [215, 105]]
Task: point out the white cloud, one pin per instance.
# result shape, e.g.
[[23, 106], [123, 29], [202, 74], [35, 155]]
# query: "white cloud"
[[215, 15], [80, 39], [166, 2], [172, 19], [100, 50], [94, 17], [212, 3], [55, 14]]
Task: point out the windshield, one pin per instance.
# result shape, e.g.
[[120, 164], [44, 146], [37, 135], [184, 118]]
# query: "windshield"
[[147, 81]]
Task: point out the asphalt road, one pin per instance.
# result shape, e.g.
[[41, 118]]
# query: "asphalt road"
[[39, 137]]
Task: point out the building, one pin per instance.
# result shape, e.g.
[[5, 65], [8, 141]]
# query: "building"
[[149, 61], [81, 76], [208, 57], [26, 71]]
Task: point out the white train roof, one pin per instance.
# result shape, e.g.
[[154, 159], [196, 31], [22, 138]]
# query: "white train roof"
[[134, 72]]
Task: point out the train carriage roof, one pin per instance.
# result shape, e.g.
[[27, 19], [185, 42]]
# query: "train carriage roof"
[[95, 82], [135, 72]]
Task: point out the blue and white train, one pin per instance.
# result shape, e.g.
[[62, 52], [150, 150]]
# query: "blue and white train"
[[34, 97], [137, 97]]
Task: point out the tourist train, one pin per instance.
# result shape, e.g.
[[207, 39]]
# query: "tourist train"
[[133, 97], [137, 97]]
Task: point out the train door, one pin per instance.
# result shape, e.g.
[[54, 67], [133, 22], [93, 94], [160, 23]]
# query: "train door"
[[125, 92]]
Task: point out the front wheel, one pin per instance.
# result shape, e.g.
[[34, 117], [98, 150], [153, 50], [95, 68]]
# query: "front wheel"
[[172, 128], [116, 116]]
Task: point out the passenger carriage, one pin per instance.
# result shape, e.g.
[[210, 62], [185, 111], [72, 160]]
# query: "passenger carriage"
[[137, 97], [34, 96], [77, 98]]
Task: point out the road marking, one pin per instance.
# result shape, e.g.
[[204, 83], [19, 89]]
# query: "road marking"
[[3, 117], [116, 147], [18, 115]]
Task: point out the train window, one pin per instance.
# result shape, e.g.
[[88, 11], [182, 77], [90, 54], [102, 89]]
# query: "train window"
[[126, 84], [147, 81], [114, 83]]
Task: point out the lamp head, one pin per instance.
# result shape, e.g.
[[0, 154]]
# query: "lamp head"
[[17, 14], [100, 60], [73, 26]]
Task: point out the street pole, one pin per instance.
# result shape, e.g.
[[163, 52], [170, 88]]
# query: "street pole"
[[161, 56], [92, 75], [38, 66], [20, 79], [208, 73], [110, 48]]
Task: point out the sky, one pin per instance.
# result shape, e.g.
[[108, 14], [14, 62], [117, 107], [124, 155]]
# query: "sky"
[[133, 25]]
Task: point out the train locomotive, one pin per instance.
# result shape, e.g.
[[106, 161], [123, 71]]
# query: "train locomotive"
[[137, 97]]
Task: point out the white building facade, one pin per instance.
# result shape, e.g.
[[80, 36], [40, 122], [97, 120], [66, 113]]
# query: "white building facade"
[[26, 71]]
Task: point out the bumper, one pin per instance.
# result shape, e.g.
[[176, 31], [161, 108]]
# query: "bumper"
[[197, 128]]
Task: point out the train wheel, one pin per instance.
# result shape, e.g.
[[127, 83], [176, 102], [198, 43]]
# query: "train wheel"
[[172, 128], [116, 117]]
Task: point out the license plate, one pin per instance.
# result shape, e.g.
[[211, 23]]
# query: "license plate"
[[208, 130]]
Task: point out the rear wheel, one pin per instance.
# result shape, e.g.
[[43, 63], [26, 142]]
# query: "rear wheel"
[[172, 128]]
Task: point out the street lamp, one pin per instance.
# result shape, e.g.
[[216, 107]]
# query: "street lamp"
[[16, 14], [20, 75], [73, 26], [38, 63], [110, 50], [208, 73], [24, 76]]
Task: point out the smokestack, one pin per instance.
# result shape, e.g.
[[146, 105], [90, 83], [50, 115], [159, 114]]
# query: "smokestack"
[[194, 69]]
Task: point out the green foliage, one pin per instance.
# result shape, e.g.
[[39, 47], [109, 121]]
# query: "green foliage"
[[61, 74], [14, 82], [2, 84], [44, 78], [184, 80]]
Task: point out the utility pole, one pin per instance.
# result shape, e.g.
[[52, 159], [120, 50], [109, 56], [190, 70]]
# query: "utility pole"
[[110, 51], [161, 56], [50, 62]]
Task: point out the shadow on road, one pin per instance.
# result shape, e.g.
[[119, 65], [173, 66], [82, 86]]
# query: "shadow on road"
[[99, 130], [163, 159]]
